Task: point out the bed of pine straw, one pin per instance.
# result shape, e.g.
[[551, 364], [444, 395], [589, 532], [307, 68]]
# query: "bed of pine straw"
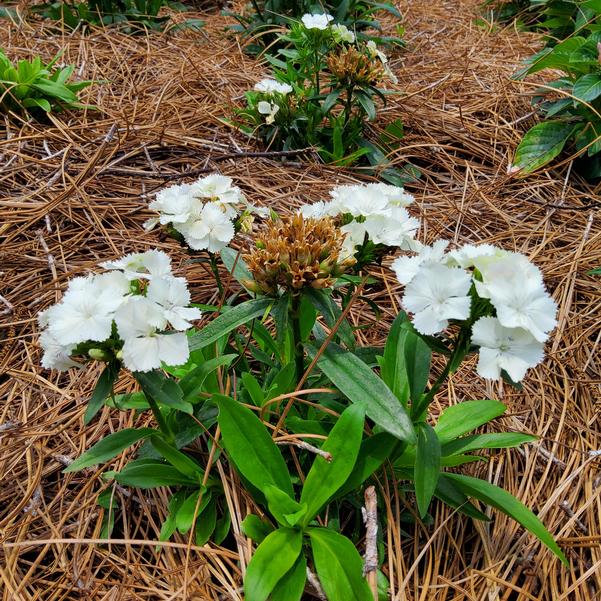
[[74, 192]]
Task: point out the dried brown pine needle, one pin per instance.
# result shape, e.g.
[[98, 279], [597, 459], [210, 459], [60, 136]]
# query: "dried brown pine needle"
[[75, 191]]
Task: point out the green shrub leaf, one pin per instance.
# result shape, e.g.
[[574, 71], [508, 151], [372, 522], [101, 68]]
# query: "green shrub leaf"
[[466, 416], [339, 566], [427, 467], [509, 505], [273, 558]]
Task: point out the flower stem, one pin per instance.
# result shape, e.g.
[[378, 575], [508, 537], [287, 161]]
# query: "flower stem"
[[160, 418], [215, 270], [299, 354]]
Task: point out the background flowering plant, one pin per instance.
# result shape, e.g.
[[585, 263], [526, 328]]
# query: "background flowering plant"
[[305, 415], [325, 88]]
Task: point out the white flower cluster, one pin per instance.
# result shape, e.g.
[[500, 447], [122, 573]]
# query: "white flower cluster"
[[151, 326], [316, 21], [377, 210], [438, 288], [203, 212], [342, 34], [271, 86]]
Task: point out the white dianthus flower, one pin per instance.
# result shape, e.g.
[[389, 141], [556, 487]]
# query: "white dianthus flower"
[[145, 347], [150, 264], [343, 34], [269, 109], [316, 21], [437, 294], [176, 204], [406, 268], [316, 210], [511, 349], [56, 355], [358, 200], [271, 86], [173, 296], [397, 228], [212, 231], [354, 237], [220, 190]]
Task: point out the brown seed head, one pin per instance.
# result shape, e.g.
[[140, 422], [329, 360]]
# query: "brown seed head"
[[351, 67], [296, 253]]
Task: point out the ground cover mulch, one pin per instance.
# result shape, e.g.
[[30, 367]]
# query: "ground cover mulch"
[[74, 192]]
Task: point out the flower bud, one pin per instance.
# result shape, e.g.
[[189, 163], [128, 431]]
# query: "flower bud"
[[98, 354]]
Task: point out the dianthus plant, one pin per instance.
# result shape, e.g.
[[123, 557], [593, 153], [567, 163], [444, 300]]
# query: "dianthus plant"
[[325, 89], [278, 383]]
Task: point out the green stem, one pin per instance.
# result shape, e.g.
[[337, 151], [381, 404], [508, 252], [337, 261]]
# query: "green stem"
[[160, 418], [258, 10], [349, 104], [215, 270], [299, 354]]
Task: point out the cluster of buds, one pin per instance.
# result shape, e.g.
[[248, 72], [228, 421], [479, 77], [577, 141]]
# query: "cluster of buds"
[[351, 67], [296, 253]]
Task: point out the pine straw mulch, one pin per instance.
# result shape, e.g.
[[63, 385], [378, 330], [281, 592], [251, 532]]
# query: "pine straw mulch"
[[74, 192]]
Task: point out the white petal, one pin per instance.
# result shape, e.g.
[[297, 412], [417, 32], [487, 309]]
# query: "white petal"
[[141, 354], [173, 348]]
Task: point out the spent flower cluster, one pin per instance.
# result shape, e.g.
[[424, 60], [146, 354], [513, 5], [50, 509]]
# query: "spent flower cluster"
[[498, 294], [206, 213], [136, 312]]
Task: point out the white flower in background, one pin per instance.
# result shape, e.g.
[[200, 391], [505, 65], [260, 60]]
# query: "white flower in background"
[[56, 355], [271, 86], [358, 200], [316, 21], [317, 210], [376, 53], [397, 228], [397, 197], [269, 109], [220, 190], [342, 33], [436, 294], [467, 255], [145, 347], [212, 231], [406, 267], [511, 349], [150, 264], [173, 296], [175, 204], [354, 237]]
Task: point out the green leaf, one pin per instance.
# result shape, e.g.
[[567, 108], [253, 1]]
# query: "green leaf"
[[273, 558], [392, 365], [427, 467], [229, 321], [231, 257], [181, 462], [250, 446], [542, 144], [190, 509], [206, 523], [509, 505], [292, 585], [502, 440], [588, 87], [448, 493], [339, 566], [360, 385], [149, 473], [169, 526], [103, 389], [253, 388], [283, 507], [109, 447], [325, 478], [255, 528], [163, 390], [192, 383], [466, 416]]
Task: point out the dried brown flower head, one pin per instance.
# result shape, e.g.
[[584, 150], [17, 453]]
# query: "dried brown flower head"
[[352, 67], [295, 253]]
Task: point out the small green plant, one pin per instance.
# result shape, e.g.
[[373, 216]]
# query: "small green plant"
[[37, 88], [571, 107], [130, 15], [261, 17], [326, 89]]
